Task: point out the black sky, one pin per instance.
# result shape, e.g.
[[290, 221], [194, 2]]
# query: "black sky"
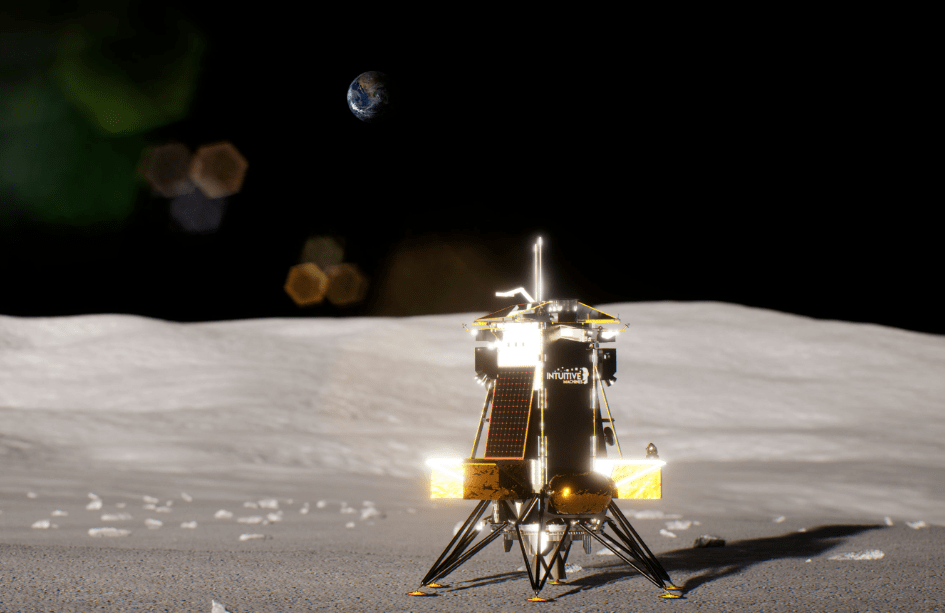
[[658, 164]]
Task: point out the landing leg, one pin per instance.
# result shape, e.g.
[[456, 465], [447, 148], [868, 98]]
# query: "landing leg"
[[460, 541], [455, 554], [629, 547], [653, 563]]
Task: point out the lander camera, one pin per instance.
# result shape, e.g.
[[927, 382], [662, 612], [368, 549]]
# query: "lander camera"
[[551, 467]]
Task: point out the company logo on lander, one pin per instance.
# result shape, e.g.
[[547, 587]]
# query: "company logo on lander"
[[569, 375]]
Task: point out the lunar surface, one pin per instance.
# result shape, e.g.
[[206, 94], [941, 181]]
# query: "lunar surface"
[[278, 464]]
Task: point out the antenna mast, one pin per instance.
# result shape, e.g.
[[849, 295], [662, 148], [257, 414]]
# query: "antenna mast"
[[535, 250], [538, 287]]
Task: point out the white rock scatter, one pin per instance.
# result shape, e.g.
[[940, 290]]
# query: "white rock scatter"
[[459, 524], [321, 504], [32, 495], [654, 514], [94, 505], [709, 540], [268, 503], [216, 607], [869, 554], [189, 524], [186, 497], [153, 524], [887, 521], [346, 509], [149, 506], [915, 525], [372, 511], [678, 525], [304, 510], [223, 514], [248, 537], [667, 533], [251, 505], [44, 524], [59, 513], [569, 568], [350, 524], [150, 499], [116, 516], [254, 519], [779, 519], [164, 509], [97, 532], [274, 517]]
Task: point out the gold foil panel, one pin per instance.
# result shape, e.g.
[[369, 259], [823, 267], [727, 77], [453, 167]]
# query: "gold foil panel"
[[447, 479], [491, 481], [637, 479], [481, 482], [478, 480]]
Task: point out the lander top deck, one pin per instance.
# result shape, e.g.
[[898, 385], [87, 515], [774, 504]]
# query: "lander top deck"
[[549, 311]]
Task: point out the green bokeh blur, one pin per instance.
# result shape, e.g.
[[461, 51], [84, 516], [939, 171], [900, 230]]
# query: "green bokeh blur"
[[78, 99]]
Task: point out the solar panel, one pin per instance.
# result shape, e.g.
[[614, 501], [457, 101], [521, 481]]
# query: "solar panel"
[[511, 409]]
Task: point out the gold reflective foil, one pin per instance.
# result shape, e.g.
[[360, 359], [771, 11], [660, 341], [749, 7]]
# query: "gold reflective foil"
[[447, 481], [479, 480], [492, 481], [638, 481], [580, 494]]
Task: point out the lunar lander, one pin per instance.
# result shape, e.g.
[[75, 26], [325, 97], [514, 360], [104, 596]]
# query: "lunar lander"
[[544, 479]]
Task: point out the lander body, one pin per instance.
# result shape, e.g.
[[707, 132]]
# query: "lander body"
[[551, 466]]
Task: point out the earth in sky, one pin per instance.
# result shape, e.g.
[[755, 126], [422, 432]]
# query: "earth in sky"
[[368, 97]]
